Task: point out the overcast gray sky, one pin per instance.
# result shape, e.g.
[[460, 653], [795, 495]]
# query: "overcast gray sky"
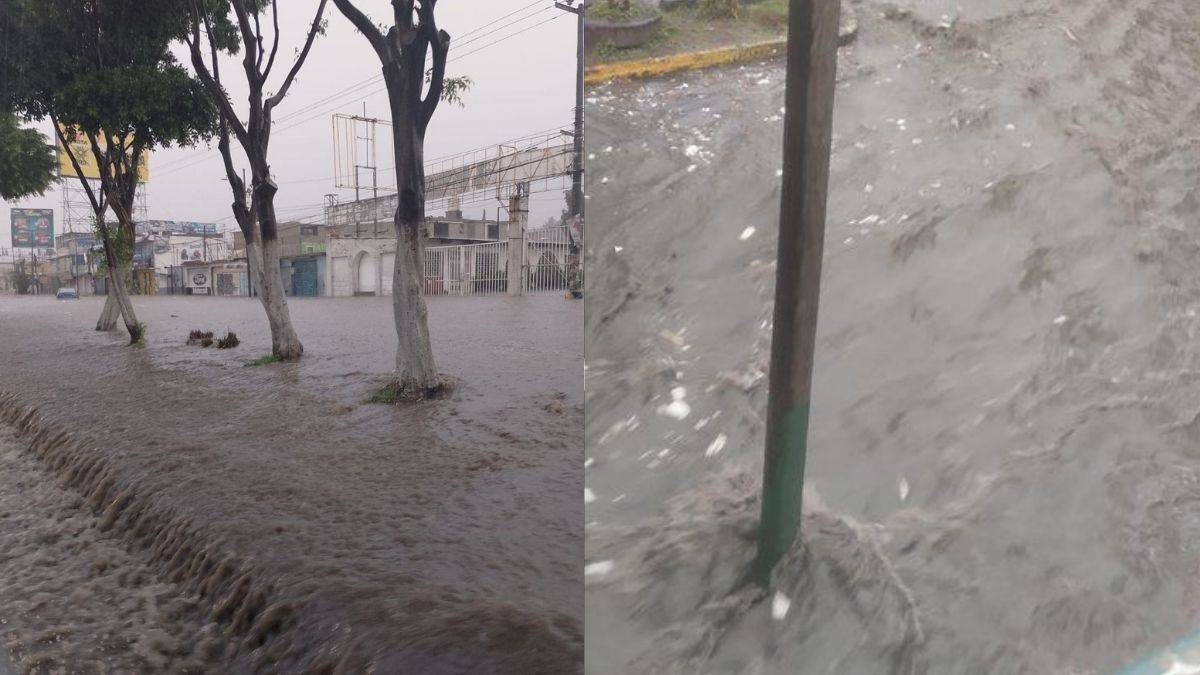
[[522, 84]]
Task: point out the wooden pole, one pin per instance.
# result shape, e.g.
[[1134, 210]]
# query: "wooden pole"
[[811, 76]]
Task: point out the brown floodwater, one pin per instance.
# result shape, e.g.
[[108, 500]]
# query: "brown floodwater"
[[1002, 465], [305, 527]]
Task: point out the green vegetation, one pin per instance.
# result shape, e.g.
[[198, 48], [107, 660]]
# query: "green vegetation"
[[389, 394], [266, 360], [229, 341], [27, 160], [137, 335], [620, 10], [688, 29], [393, 393], [718, 9]]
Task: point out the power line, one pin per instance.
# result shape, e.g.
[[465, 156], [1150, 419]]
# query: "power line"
[[206, 155]]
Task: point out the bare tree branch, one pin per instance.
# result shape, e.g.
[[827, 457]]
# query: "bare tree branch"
[[275, 44], [97, 205], [211, 80], [308, 43], [364, 26], [439, 40]]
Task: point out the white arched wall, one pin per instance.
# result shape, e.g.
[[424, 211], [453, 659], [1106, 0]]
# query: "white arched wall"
[[366, 273]]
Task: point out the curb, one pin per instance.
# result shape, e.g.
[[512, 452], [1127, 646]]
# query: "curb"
[[663, 65]]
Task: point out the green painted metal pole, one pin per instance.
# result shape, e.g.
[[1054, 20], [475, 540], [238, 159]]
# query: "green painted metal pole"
[[811, 76]]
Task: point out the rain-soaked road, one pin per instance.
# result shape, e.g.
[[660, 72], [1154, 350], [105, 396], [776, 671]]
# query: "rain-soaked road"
[[1003, 473], [272, 510]]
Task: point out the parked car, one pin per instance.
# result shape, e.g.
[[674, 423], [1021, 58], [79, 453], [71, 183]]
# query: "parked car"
[[67, 294]]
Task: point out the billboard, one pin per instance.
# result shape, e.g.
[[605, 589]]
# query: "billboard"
[[176, 227], [33, 228], [81, 147]]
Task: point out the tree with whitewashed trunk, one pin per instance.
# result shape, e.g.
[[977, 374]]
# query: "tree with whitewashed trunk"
[[414, 91], [210, 21], [113, 91]]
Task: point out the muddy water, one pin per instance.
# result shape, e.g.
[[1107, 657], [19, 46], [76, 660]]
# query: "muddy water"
[[320, 531], [1002, 463], [76, 599]]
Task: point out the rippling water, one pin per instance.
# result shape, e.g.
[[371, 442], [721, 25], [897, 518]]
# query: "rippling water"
[[440, 537], [1002, 469]]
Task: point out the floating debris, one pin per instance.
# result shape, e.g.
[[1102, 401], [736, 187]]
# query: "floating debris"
[[747, 233], [716, 446], [780, 605], [903, 489], [588, 496], [598, 569], [677, 408]]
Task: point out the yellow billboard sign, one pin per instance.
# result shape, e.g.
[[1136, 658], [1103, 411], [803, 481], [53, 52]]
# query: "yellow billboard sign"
[[82, 149]]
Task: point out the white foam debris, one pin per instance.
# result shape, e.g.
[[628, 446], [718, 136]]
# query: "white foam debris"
[[608, 149], [1010, 127], [588, 462], [869, 188], [1182, 667], [591, 155], [903, 489], [778, 173], [588, 496], [717, 445], [678, 407], [604, 180], [691, 168], [917, 141], [618, 249], [1027, 145], [780, 605], [747, 233], [1062, 318], [849, 241], [619, 498], [765, 80], [869, 220], [691, 150], [598, 569]]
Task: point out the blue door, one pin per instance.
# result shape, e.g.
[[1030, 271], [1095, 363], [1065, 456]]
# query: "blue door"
[[304, 277]]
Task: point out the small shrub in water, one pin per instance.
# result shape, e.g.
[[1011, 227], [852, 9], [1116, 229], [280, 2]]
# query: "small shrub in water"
[[229, 341], [268, 359], [197, 337]]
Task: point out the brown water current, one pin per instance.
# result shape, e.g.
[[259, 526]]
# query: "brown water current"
[[273, 510], [1003, 473]]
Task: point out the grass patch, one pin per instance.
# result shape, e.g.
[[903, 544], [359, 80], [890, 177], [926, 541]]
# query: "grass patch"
[[266, 360], [229, 341], [394, 393], [689, 29], [620, 10]]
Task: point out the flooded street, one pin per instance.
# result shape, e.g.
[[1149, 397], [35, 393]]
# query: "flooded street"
[[273, 517], [1003, 470]]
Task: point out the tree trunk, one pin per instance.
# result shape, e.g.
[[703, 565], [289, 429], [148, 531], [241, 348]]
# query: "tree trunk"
[[110, 313], [284, 342], [120, 294], [415, 369]]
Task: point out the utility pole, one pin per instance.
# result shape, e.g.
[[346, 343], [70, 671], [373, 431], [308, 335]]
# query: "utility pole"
[[811, 76], [577, 169], [575, 264]]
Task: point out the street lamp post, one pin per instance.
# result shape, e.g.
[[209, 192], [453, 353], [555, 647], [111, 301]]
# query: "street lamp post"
[[811, 71]]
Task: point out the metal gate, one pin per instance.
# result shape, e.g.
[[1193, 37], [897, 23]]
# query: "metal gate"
[[548, 259], [479, 269], [467, 269], [304, 277]]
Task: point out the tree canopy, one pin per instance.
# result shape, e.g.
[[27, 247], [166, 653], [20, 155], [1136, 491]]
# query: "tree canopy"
[[27, 160]]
